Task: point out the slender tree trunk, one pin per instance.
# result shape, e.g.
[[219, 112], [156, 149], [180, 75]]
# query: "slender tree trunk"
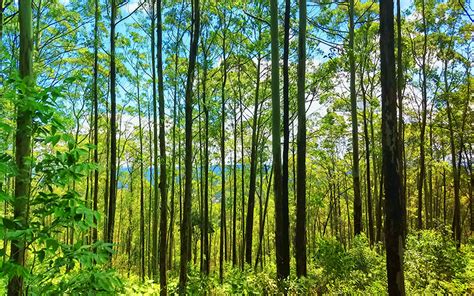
[[201, 185], [96, 115], [281, 228], [456, 227], [234, 210], [253, 171], [391, 164], [205, 238], [286, 139], [173, 161], [154, 231], [367, 166], [456, 166], [428, 181], [444, 196], [424, 103], [163, 186], [107, 171], [22, 144], [355, 134], [300, 235], [262, 224], [242, 210], [400, 86], [150, 193], [223, 234], [113, 130], [186, 223], [142, 192]]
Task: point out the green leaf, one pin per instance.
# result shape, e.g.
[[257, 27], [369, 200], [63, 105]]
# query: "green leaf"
[[11, 224], [41, 255]]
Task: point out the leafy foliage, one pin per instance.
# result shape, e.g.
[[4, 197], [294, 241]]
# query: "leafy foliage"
[[434, 266], [54, 266]]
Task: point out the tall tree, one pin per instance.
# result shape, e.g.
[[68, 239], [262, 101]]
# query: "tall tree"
[[300, 235], [142, 193], [424, 102], [206, 261], [253, 170], [96, 112], [113, 128], [400, 85], [355, 133], [163, 186], [456, 159], [22, 142], [281, 234], [186, 222], [367, 145], [154, 231], [223, 234], [285, 223], [391, 165]]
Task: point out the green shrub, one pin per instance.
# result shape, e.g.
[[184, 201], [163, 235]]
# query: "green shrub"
[[433, 265], [358, 270]]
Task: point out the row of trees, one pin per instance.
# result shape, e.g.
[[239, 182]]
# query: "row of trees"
[[182, 100]]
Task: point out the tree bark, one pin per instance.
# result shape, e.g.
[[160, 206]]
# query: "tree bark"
[[142, 192], [163, 185], [155, 180], [186, 223], [400, 86], [355, 134], [281, 229], [113, 130], [391, 164], [22, 143], [206, 261], [367, 166], [300, 235], [223, 232], [253, 171], [96, 115], [424, 103], [285, 222]]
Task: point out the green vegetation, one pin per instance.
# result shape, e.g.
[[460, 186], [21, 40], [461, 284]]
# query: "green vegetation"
[[236, 147]]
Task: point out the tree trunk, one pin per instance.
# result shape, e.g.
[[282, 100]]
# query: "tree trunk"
[[234, 209], [424, 103], [253, 171], [142, 192], [186, 223], [285, 223], [367, 165], [205, 238], [281, 228], [163, 186], [262, 224], [400, 86], [355, 135], [300, 235], [154, 231], [242, 210], [391, 163], [173, 161], [223, 233], [96, 115], [22, 144], [113, 130]]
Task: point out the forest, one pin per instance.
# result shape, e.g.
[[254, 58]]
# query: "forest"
[[220, 147]]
